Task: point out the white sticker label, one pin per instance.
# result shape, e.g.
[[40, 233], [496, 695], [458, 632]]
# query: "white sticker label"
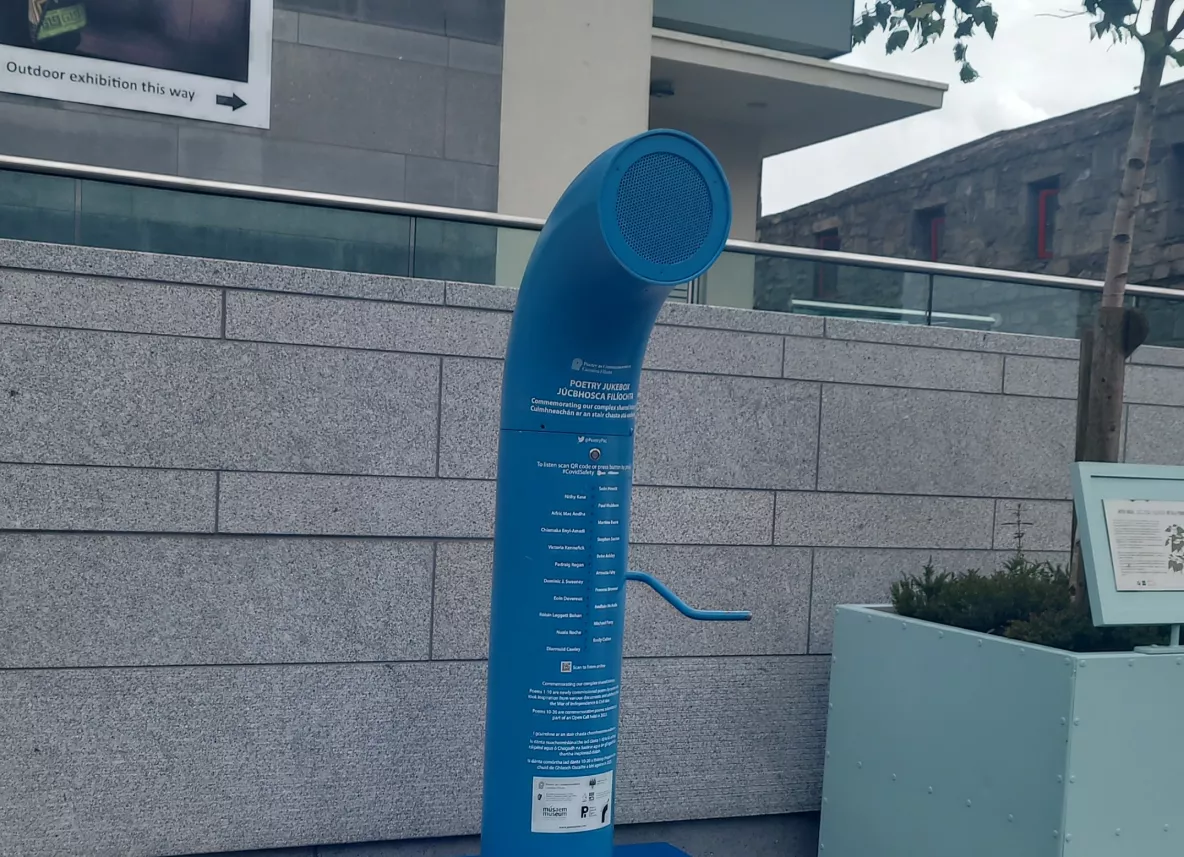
[[572, 804]]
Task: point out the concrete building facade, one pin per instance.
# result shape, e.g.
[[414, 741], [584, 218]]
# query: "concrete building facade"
[[245, 524], [1039, 198], [498, 104]]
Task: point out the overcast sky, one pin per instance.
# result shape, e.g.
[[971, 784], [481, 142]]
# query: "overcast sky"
[[1038, 66]]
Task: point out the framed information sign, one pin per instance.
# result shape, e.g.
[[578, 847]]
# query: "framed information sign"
[[1131, 521]]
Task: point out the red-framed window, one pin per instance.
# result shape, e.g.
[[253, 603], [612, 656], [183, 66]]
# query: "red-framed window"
[[931, 233], [1043, 197], [826, 276], [1046, 221]]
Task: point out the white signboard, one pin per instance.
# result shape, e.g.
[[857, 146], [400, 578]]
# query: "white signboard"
[[199, 59], [1146, 544]]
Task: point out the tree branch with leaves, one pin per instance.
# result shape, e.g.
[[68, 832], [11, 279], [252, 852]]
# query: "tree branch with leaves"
[[1117, 330]]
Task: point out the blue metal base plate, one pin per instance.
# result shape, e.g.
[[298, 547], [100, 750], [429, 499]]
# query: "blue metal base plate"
[[657, 849]]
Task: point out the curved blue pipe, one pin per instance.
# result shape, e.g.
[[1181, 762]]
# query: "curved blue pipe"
[[649, 214], [684, 608]]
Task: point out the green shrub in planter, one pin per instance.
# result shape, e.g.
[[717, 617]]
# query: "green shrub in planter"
[[1025, 600]]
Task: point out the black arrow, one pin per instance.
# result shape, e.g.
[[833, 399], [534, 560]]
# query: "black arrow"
[[232, 101]]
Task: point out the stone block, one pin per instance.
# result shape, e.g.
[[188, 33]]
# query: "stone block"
[[79, 600], [263, 317], [410, 14], [1153, 435], [286, 504], [40, 129], [51, 300], [942, 337], [1155, 385], [476, 20], [715, 352], [475, 56], [1046, 526], [235, 156], [696, 516], [460, 600], [478, 296], [883, 521], [1153, 356], [750, 730], [159, 267], [470, 415], [127, 400], [883, 441], [455, 184], [849, 362], [285, 25], [726, 318], [358, 37], [263, 745], [1042, 377], [206, 759], [773, 583], [725, 432], [472, 117], [327, 96], [44, 497], [865, 576]]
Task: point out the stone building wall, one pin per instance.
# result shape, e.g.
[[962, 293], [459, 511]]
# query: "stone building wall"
[[987, 190]]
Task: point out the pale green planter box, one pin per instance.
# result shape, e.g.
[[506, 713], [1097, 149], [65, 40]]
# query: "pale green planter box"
[[948, 743]]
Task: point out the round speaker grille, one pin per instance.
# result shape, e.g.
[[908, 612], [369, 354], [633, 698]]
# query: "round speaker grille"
[[664, 208]]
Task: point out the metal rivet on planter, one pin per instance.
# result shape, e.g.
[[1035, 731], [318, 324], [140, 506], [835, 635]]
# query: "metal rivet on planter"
[[931, 789], [1076, 721], [1060, 779], [1118, 832], [1011, 818], [860, 764], [1072, 779], [968, 803], [1068, 837]]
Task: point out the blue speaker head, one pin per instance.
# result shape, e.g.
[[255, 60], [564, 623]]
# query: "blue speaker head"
[[649, 214], [665, 207]]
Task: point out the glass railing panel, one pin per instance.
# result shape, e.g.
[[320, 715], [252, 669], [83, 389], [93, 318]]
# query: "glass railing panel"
[[456, 251], [844, 291], [156, 220], [37, 207], [1165, 318], [1003, 307], [514, 247]]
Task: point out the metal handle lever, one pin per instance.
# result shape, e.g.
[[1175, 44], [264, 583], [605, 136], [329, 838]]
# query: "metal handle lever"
[[684, 608]]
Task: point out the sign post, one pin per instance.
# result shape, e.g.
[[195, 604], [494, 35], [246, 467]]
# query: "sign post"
[[649, 214]]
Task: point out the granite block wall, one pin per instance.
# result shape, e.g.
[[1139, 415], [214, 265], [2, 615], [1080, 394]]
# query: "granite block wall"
[[388, 99], [245, 522]]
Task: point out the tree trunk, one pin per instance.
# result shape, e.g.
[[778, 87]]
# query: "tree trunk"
[[1099, 426], [1104, 412], [1138, 151]]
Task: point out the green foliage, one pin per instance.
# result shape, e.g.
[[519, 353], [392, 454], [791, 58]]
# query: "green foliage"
[[1024, 600], [922, 22]]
